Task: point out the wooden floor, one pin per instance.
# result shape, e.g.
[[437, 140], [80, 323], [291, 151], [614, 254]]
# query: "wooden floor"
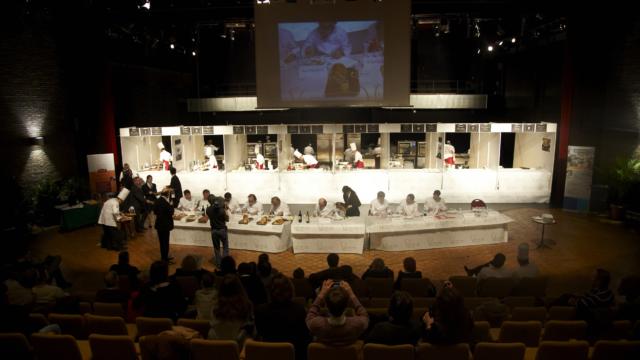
[[583, 243]]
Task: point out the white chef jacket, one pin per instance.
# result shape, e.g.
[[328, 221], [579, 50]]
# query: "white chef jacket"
[[255, 209], [260, 159], [338, 39], [308, 150], [233, 205], [309, 159], [357, 157], [433, 207], [327, 211], [210, 150], [110, 213], [379, 209], [449, 151], [408, 210], [186, 204], [284, 208], [165, 155]]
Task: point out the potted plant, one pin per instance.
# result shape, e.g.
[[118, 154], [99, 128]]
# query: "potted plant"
[[624, 176]]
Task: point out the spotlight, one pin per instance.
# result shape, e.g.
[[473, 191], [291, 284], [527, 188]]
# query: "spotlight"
[[193, 53], [147, 5], [479, 51], [172, 46], [513, 40], [500, 43], [489, 48]]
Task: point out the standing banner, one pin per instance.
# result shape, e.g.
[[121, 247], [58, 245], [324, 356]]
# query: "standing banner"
[[102, 173], [577, 188]]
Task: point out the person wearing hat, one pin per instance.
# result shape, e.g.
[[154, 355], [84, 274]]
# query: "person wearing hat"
[[379, 206], [449, 154], [435, 204], [112, 237], [163, 210], [308, 150], [210, 155], [358, 161], [308, 159], [259, 164], [525, 268], [165, 157]]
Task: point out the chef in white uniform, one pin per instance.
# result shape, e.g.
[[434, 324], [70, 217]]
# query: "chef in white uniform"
[[308, 150], [186, 202], [210, 155], [259, 164], [327, 39], [408, 207], [449, 154], [324, 209], [278, 207], [435, 204], [379, 206], [252, 207], [358, 161], [232, 204], [165, 157], [309, 160], [112, 237]]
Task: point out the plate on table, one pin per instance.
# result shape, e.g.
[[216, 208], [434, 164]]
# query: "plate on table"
[[243, 222]]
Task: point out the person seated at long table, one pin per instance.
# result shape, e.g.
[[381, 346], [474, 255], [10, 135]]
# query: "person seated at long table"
[[324, 209], [435, 204], [379, 206], [252, 207], [186, 202], [278, 207], [232, 204], [408, 207]]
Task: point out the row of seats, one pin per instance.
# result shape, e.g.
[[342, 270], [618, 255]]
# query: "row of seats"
[[108, 347]]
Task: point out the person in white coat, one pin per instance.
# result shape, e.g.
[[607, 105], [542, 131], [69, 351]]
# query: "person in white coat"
[[232, 204], [309, 160], [379, 206], [449, 154], [112, 237], [324, 209], [308, 150], [252, 207], [435, 204], [408, 207], [165, 157], [260, 163], [210, 155], [278, 207], [358, 160]]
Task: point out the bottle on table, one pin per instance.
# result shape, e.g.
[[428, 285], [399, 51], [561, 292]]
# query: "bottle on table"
[[300, 216], [308, 219]]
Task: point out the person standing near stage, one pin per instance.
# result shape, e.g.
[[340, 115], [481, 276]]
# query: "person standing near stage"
[[218, 219], [150, 190], [164, 222], [176, 186], [351, 201], [112, 237]]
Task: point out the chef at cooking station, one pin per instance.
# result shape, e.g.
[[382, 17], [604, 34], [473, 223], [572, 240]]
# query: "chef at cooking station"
[[309, 160], [259, 163], [210, 155], [165, 157], [358, 160]]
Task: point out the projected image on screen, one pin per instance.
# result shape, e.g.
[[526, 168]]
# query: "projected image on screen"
[[341, 60]]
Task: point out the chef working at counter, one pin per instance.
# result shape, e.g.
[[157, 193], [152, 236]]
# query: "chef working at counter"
[[165, 157], [210, 155], [278, 207], [259, 164], [435, 204], [309, 160], [252, 207], [379, 206], [112, 237], [308, 150], [358, 161], [408, 207]]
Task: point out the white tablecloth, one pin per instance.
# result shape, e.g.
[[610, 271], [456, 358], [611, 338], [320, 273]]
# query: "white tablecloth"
[[264, 238], [329, 236], [399, 234]]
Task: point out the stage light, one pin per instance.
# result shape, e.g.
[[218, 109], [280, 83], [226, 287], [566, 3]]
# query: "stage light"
[[500, 43], [479, 51], [193, 53], [172, 46], [513, 40], [489, 48], [147, 5]]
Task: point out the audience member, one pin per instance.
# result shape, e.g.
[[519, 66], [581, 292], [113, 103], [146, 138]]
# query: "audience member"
[[189, 267], [399, 329], [282, 320], [332, 273], [265, 271], [449, 321], [525, 268], [408, 272], [232, 316], [18, 291], [336, 329], [377, 269], [124, 268], [111, 293], [494, 268], [629, 288], [206, 297], [45, 293], [252, 284], [346, 274], [227, 266], [599, 297], [160, 298], [298, 273]]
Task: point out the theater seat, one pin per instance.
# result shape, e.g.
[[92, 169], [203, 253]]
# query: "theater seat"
[[466, 285], [555, 330], [529, 313], [55, 347], [536, 287], [418, 287], [15, 346], [223, 349], [201, 326], [108, 309], [380, 288], [152, 326], [447, 352], [563, 350], [562, 313], [495, 287], [526, 332], [258, 350], [107, 325], [73, 325], [110, 347], [317, 351], [493, 351], [616, 350], [386, 352], [302, 288]]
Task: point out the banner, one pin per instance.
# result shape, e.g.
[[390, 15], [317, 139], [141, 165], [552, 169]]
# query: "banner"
[[102, 173], [577, 187]]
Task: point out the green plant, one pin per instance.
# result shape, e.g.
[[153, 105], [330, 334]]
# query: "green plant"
[[623, 177]]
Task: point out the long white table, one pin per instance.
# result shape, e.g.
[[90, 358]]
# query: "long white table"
[[462, 229], [329, 236], [264, 238]]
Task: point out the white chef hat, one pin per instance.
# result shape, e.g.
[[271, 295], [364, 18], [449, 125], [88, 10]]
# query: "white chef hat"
[[123, 194], [257, 149], [353, 146], [160, 145], [297, 154]]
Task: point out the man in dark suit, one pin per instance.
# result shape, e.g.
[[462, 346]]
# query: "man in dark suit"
[[137, 200], [164, 222], [149, 190], [176, 186]]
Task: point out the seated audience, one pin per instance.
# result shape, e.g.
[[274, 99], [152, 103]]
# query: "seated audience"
[[232, 315], [333, 272], [494, 268], [377, 269], [449, 321], [111, 293], [189, 267], [346, 274], [336, 329], [282, 320], [409, 272], [629, 288], [18, 291], [160, 298], [124, 268], [252, 285], [298, 273], [599, 297], [525, 268], [265, 271], [227, 266], [206, 297], [399, 329], [45, 293]]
